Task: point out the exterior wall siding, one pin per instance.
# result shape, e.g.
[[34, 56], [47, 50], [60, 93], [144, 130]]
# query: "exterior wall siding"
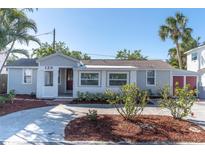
[[162, 79], [137, 77], [15, 81]]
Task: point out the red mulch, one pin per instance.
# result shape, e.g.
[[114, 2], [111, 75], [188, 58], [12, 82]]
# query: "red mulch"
[[19, 105], [146, 128]]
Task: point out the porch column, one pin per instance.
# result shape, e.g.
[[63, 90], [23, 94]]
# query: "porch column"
[[55, 81]]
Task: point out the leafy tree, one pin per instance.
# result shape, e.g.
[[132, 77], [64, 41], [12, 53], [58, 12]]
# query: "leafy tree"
[[128, 55], [175, 28], [189, 44], [14, 28], [47, 49]]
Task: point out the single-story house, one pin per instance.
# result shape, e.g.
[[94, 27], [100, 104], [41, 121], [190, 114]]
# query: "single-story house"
[[60, 76]]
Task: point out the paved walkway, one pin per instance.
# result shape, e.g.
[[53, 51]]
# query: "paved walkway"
[[46, 125]]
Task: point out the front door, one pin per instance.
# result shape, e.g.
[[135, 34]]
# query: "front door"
[[69, 79], [177, 81]]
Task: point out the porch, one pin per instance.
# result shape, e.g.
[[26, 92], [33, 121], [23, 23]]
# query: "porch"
[[65, 82]]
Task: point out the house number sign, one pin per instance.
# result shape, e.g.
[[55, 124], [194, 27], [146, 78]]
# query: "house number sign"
[[48, 67]]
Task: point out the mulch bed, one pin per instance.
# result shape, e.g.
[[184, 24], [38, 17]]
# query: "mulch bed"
[[20, 104], [146, 128]]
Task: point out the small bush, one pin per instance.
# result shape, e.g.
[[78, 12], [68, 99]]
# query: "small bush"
[[87, 96], [33, 95], [129, 102], [180, 106], [8, 97], [92, 115]]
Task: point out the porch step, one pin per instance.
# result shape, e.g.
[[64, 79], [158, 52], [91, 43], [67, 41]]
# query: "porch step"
[[63, 100]]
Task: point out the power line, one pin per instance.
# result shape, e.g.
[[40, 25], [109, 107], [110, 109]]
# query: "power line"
[[44, 33]]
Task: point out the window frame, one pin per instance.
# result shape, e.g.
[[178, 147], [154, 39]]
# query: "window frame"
[[108, 78], [196, 55], [147, 84], [94, 72], [50, 85], [24, 69]]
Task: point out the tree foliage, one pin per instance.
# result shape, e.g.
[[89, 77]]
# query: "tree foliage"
[[15, 27], [189, 44], [175, 28], [47, 49], [129, 55]]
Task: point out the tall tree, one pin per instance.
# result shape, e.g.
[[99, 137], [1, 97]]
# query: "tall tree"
[[175, 28], [129, 55], [46, 49], [14, 28]]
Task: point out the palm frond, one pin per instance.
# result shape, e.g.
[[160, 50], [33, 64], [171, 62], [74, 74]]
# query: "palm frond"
[[21, 51]]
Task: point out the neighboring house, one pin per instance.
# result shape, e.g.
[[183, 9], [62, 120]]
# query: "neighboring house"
[[196, 63], [59, 76]]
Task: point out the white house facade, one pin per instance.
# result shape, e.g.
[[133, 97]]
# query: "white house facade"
[[196, 63], [60, 76]]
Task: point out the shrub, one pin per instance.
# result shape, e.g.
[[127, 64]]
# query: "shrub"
[[129, 101], [11, 95], [8, 97], [180, 105], [33, 95], [87, 96], [92, 115]]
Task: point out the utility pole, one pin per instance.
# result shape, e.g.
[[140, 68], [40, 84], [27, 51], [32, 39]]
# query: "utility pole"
[[54, 39]]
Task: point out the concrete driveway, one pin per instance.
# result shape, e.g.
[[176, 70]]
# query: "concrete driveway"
[[46, 125]]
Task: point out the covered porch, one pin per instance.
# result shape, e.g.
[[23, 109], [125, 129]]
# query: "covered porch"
[[65, 82]]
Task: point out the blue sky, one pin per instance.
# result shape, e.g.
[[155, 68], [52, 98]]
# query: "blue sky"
[[104, 31]]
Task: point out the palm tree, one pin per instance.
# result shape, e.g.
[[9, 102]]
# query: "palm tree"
[[176, 29], [14, 28]]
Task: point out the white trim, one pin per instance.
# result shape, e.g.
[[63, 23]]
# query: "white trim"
[[155, 78], [99, 78], [8, 82], [194, 49], [36, 67], [31, 76], [108, 66], [116, 72]]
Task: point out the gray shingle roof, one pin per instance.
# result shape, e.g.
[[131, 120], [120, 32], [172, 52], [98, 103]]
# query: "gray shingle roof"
[[140, 64], [24, 62]]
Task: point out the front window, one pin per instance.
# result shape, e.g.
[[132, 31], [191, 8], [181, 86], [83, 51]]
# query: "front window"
[[117, 79], [89, 79], [194, 56], [48, 78], [27, 79], [151, 77]]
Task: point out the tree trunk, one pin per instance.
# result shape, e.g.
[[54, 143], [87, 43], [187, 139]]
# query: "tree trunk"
[[7, 56], [179, 55]]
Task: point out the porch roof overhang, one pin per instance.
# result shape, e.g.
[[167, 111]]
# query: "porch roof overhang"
[[106, 67]]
